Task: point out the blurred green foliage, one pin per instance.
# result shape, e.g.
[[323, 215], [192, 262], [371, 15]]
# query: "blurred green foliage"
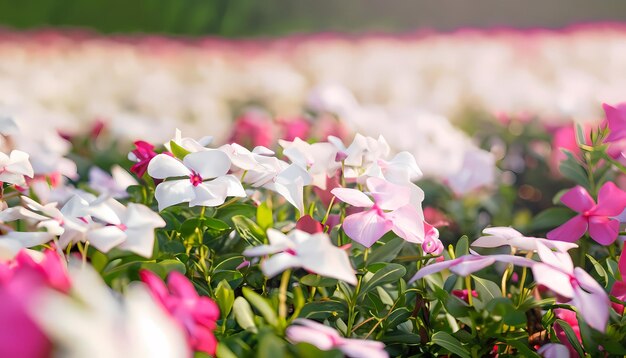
[[279, 17]]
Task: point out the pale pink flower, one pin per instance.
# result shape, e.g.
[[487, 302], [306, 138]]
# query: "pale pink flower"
[[314, 253], [326, 338], [391, 209]]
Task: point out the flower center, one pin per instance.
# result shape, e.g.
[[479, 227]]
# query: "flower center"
[[291, 252], [195, 179]]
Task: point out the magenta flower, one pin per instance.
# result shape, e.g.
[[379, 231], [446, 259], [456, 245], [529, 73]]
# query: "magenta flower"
[[21, 281], [390, 210], [599, 218], [326, 338], [569, 317], [142, 155], [616, 118], [194, 313], [619, 287]]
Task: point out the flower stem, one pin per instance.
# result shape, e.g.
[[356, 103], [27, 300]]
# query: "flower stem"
[[282, 295], [468, 285]]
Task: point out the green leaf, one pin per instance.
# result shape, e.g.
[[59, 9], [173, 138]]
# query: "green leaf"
[[307, 350], [487, 291], [223, 351], [571, 336], [173, 265], [264, 216], [462, 246], [389, 273], [262, 305], [396, 317], [323, 310], [248, 229], [228, 263], [243, 314], [225, 297], [178, 151], [550, 218], [386, 252], [270, 346], [450, 344], [215, 227], [318, 281], [572, 170], [234, 278], [600, 270]]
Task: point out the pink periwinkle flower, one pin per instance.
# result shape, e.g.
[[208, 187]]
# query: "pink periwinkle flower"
[[20, 282], [196, 314], [572, 285], [390, 210], [616, 119], [619, 287], [306, 223], [253, 129], [463, 295], [569, 317], [293, 128], [141, 155], [326, 338], [431, 245], [598, 218], [468, 264]]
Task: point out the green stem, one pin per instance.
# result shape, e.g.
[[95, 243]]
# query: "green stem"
[[282, 295], [468, 285], [352, 308]]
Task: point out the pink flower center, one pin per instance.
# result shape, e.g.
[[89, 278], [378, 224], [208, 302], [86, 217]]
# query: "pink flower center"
[[195, 178], [379, 211], [291, 252], [122, 227]]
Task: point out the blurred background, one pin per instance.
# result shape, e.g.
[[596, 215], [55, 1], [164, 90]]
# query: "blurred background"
[[249, 18], [483, 93]]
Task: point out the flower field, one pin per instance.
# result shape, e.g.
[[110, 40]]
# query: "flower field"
[[459, 194]]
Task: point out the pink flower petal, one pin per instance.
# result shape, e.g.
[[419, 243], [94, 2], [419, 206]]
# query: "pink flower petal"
[[180, 286], [388, 196], [578, 199], [617, 122], [353, 197], [603, 230], [611, 200], [572, 230], [366, 227]]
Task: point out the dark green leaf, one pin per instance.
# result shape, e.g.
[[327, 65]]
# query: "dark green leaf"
[[389, 273], [450, 344], [262, 305]]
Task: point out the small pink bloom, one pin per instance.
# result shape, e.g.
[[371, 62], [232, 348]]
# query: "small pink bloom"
[[253, 129], [431, 245], [463, 295], [326, 338], [142, 155], [436, 217], [569, 317], [197, 314], [619, 287], [293, 128], [616, 119], [598, 218], [307, 224]]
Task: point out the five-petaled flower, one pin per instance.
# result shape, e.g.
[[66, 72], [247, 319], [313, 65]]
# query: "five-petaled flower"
[[314, 253], [598, 218], [200, 179]]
